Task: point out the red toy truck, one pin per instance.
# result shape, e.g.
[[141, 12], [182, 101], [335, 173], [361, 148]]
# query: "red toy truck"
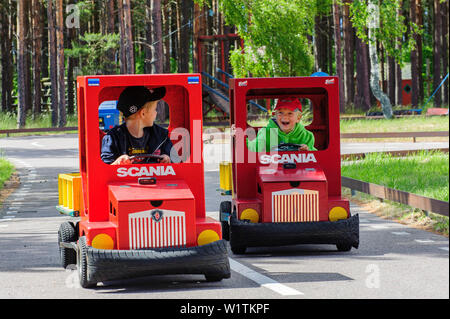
[[287, 196], [142, 219]]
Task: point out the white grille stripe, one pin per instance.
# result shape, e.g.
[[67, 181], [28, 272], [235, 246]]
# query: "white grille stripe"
[[297, 205], [144, 232]]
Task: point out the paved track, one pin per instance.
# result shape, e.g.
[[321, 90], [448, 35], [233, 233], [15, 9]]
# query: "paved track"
[[393, 261]]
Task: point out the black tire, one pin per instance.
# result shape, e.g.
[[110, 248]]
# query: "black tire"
[[225, 207], [66, 234], [344, 247], [210, 260], [238, 250], [212, 278], [82, 265]]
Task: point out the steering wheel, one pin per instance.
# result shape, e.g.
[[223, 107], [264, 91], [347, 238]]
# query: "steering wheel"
[[142, 157], [284, 147]]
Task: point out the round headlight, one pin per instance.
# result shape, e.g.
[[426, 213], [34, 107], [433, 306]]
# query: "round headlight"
[[337, 213], [207, 236], [103, 241], [250, 214]]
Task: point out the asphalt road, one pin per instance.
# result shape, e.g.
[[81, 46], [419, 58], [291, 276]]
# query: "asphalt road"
[[393, 260]]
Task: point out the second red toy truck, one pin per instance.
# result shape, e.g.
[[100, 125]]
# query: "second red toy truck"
[[287, 196]]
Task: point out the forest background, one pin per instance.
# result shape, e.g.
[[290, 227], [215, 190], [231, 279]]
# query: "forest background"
[[45, 45]]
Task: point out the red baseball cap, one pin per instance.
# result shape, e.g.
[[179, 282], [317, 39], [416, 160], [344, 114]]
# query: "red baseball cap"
[[288, 103]]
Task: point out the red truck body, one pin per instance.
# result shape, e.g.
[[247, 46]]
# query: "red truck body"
[[288, 188], [155, 212]]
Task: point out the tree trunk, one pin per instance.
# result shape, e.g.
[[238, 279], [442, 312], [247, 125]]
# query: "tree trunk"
[[349, 49], [196, 34], [53, 62], [21, 86], [437, 53], [338, 55], [166, 40], [414, 60], [123, 55], [37, 53], [419, 16], [60, 64], [129, 47], [398, 69], [148, 37], [391, 79], [373, 23], [184, 32], [6, 57], [109, 13], [27, 66], [330, 43], [71, 34], [444, 11], [362, 98], [380, 53], [157, 50]]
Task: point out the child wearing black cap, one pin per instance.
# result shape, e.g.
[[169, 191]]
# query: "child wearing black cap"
[[138, 134]]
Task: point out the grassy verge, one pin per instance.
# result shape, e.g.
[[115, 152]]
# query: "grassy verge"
[[9, 121], [425, 174], [402, 124], [6, 170]]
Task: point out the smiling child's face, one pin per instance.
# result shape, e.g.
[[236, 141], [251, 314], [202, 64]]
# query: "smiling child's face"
[[287, 119]]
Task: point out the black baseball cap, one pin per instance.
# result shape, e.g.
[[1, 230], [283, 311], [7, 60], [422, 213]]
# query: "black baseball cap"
[[133, 98]]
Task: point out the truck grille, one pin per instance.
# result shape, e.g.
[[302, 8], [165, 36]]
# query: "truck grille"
[[157, 228], [295, 205]]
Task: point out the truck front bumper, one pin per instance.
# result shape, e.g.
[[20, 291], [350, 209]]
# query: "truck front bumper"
[[342, 232], [210, 260]]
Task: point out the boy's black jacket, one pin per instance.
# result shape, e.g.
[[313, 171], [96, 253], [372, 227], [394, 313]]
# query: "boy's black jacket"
[[118, 141]]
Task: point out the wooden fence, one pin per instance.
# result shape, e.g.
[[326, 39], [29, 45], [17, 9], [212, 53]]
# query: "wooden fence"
[[410, 199], [38, 130], [412, 135]]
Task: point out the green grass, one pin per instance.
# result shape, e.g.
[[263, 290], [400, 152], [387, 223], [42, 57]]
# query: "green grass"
[[8, 120], [6, 169], [403, 124], [424, 174]]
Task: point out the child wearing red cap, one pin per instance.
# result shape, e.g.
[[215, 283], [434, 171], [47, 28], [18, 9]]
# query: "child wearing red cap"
[[284, 127]]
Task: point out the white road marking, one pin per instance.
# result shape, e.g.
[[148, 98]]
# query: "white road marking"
[[400, 233], [262, 280], [423, 241], [379, 226], [37, 144], [444, 248]]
